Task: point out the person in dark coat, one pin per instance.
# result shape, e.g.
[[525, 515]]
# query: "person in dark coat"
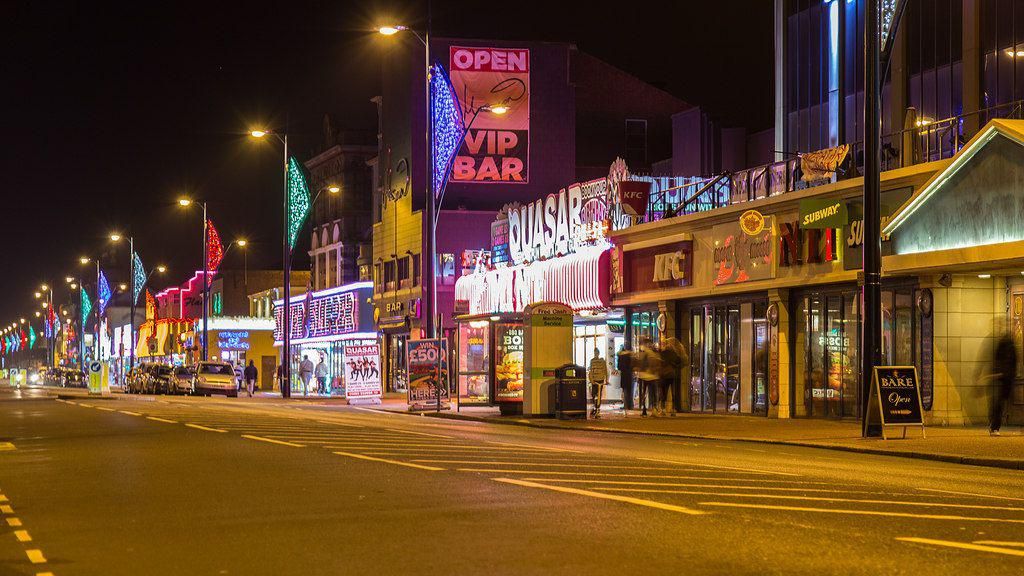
[[625, 365], [1004, 364], [250, 373]]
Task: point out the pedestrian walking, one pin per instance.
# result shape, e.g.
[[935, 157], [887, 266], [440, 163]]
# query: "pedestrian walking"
[[598, 375], [305, 373], [280, 378], [321, 376], [1004, 365], [649, 368], [250, 374], [625, 365], [675, 359]]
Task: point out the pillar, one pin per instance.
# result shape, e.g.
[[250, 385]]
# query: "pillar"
[[971, 65], [780, 356]]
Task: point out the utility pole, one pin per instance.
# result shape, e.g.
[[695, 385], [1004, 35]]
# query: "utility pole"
[[871, 353]]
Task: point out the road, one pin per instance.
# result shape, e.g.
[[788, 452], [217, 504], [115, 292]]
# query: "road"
[[158, 485]]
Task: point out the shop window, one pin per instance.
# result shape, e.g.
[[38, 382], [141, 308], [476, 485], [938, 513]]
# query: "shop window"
[[389, 276], [364, 272], [404, 280], [446, 269], [636, 141], [417, 270], [378, 277]]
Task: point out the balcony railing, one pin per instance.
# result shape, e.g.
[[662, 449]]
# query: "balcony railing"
[[921, 141]]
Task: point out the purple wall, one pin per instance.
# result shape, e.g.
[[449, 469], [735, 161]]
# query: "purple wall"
[[459, 230]]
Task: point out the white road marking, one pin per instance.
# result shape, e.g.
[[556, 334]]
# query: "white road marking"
[[863, 512], [613, 497], [272, 441], [1000, 543], [972, 494], [754, 470], [198, 427], [386, 461], [963, 545]]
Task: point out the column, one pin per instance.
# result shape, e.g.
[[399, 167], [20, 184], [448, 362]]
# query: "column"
[[780, 355], [780, 80], [972, 65]]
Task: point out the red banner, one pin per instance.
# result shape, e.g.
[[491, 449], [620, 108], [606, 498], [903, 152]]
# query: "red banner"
[[634, 196]]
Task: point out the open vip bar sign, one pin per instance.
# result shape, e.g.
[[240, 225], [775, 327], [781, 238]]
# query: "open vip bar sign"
[[497, 146]]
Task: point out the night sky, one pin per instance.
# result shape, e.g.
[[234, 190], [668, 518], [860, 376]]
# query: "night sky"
[[111, 112]]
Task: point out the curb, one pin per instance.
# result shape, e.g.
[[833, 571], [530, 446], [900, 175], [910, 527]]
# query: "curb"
[[1005, 463]]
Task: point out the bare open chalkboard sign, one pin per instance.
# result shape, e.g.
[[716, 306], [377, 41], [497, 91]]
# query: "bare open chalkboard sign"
[[896, 392]]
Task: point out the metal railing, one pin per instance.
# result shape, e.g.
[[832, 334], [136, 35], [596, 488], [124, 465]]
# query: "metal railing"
[[921, 141]]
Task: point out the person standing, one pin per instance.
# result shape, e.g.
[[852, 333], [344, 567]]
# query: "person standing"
[[1004, 364], [280, 378], [321, 376], [250, 374], [625, 358], [598, 375], [675, 358], [305, 373], [648, 367]]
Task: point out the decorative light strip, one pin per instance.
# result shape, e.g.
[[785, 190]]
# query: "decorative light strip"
[[138, 276], [330, 313], [334, 338], [237, 323], [579, 280], [103, 293], [86, 306], [214, 248], [448, 125], [298, 199]]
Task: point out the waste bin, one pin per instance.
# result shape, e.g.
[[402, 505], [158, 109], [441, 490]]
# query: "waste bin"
[[571, 392]]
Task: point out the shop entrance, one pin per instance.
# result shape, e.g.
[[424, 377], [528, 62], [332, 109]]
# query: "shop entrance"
[[729, 357]]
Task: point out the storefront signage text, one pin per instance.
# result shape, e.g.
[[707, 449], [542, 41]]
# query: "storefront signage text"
[[559, 224], [233, 340], [820, 214], [331, 313], [752, 222], [741, 258], [821, 245], [897, 396]]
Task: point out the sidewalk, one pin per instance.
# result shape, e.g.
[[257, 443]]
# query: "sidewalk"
[[960, 445]]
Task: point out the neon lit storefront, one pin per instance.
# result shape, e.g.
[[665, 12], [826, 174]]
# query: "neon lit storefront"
[[322, 323], [552, 250]]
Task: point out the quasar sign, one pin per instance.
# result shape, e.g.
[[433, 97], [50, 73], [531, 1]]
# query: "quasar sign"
[[497, 147]]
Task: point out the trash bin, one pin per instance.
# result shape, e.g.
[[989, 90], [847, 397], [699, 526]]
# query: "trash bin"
[[571, 392]]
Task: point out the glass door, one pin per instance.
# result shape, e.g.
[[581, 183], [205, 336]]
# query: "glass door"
[[759, 360]]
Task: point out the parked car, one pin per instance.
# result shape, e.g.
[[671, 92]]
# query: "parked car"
[[159, 379], [214, 378], [73, 378], [134, 380], [54, 376], [181, 381]]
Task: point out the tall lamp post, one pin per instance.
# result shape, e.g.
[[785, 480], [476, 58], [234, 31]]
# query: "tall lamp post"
[[47, 291], [185, 202], [286, 323]]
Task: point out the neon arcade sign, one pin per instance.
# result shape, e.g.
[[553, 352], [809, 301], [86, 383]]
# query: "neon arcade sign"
[[233, 340], [340, 313]]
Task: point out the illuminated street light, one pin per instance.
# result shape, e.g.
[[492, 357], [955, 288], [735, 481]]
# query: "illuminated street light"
[[83, 260], [74, 285], [115, 237], [22, 320], [241, 242], [184, 202], [161, 269], [69, 279], [258, 133], [499, 109], [38, 313], [391, 30], [45, 305], [38, 295], [334, 189], [122, 287]]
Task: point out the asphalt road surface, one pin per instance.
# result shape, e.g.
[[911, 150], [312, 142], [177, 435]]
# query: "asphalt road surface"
[[197, 486]]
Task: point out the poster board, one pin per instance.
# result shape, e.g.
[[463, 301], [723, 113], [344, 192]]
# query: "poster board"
[[428, 374], [895, 398], [362, 374]]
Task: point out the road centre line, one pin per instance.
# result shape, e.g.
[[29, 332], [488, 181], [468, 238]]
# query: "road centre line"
[[1000, 543], [405, 446], [155, 419], [105, 409], [14, 522], [386, 461], [972, 494], [620, 466], [198, 427], [129, 412], [963, 545], [863, 512], [613, 497], [35, 556], [6, 509], [720, 467], [84, 405], [272, 441], [22, 536], [668, 476], [689, 485], [7, 446]]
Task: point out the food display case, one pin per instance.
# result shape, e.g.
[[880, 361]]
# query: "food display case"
[[490, 361]]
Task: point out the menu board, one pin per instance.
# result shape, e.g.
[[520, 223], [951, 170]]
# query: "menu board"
[[508, 362]]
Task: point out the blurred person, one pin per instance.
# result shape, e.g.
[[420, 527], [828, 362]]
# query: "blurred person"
[[305, 373], [625, 365], [1004, 368]]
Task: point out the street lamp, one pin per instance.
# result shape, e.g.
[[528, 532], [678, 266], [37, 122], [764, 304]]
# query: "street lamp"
[[186, 202], [286, 365]]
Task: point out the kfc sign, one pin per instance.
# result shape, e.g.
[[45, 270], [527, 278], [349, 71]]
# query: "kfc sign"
[[665, 266], [497, 147], [633, 196]]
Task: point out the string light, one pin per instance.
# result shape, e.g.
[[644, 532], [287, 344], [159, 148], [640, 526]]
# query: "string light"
[[86, 306], [448, 125], [214, 248], [138, 276], [103, 293], [298, 200]]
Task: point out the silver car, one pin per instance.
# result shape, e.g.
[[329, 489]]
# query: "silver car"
[[214, 378]]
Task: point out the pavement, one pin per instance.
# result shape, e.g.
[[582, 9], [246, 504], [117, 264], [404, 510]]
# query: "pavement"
[[207, 486], [957, 444]]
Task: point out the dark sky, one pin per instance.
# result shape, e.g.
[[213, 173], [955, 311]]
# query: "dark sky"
[[111, 111]]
